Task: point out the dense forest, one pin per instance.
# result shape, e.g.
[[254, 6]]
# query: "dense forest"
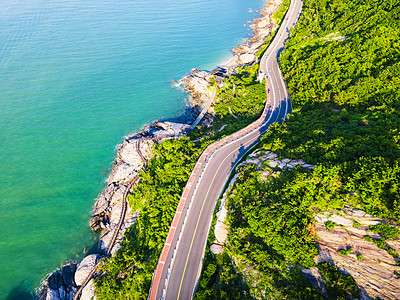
[[342, 68]]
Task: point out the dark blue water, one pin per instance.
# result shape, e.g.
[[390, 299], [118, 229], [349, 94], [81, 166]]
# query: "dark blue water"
[[75, 77]]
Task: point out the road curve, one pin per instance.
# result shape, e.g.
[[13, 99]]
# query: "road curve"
[[180, 262]]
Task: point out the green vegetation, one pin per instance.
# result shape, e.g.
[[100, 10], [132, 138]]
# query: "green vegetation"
[[356, 224], [264, 247], [240, 101], [129, 273], [359, 257], [368, 238], [346, 99], [281, 12], [385, 230], [345, 252], [329, 225], [338, 285]]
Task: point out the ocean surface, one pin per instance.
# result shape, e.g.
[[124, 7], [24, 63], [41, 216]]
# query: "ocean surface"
[[75, 77]]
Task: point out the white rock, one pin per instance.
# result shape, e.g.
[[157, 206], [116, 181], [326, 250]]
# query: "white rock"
[[122, 172], [103, 199], [221, 215], [128, 153], [247, 58], [272, 155], [308, 166], [116, 213], [282, 165], [221, 233], [105, 240], [341, 221], [85, 267], [88, 291], [199, 73], [273, 164], [217, 249]]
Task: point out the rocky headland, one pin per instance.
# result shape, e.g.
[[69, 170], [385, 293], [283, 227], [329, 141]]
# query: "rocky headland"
[[109, 215]]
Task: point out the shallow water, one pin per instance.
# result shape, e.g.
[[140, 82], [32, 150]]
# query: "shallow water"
[[75, 77]]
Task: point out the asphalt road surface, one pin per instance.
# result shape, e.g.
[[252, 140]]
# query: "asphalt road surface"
[[180, 262]]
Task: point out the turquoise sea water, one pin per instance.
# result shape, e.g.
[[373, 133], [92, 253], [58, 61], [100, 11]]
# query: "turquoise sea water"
[[75, 77]]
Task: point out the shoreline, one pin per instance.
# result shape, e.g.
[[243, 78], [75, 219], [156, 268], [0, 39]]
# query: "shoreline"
[[133, 154]]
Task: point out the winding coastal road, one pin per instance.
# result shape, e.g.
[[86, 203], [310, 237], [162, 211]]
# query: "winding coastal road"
[[180, 262]]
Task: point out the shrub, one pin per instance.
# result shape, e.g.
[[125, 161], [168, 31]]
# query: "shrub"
[[385, 230], [368, 238], [344, 252], [356, 224], [329, 225]]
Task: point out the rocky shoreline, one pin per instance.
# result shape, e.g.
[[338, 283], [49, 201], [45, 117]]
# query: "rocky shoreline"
[[132, 156]]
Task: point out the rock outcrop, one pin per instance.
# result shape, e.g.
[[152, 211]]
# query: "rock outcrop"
[[85, 267], [60, 284], [373, 269]]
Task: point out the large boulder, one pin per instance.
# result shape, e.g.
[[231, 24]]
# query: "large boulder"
[[217, 249], [60, 284], [85, 267], [56, 288], [247, 58]]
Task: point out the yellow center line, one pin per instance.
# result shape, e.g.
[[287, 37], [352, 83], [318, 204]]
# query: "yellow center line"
[[205, 198], [198, 219]]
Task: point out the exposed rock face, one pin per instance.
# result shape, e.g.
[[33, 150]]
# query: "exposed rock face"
[[197, 85], [60, 284], [217, 249], [221, 229], [374, 273]]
